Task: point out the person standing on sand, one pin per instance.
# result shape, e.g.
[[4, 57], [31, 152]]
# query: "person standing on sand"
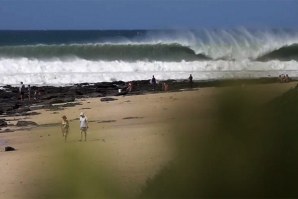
[[64, 127], [83, 125]]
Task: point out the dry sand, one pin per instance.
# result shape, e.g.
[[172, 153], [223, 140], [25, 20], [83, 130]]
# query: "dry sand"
[[129, 139]]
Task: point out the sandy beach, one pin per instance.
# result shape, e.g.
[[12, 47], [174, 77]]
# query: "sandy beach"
[[129, 141]]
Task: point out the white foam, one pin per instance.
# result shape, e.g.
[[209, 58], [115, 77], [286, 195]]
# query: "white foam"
[[57, 72]]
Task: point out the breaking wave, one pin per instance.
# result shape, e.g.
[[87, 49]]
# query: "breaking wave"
[[173, 45], [105, 52], [285, 53]]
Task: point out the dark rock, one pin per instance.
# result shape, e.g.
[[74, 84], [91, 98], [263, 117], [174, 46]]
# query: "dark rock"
[[71, 104], [93, 95], [106, 99], [23, 109], [50, 125], [59, 100], [106, 121], [7, 94], [7, 86], [55, 108], [9, 148], [3, 122], [7, 106], [26, 123], [6, 131], [32, 113], [129, 118]]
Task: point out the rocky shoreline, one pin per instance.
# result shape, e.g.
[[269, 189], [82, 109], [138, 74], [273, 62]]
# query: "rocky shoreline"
[[52, 97]]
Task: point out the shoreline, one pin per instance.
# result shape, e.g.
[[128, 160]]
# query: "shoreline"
[[198, 82], [53, 98]]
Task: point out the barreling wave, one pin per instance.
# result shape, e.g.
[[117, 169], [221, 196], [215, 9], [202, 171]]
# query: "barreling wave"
[[105, 52], [228, 44], [285, 53]]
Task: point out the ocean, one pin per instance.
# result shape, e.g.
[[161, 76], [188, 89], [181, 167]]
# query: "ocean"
[[52, 57]]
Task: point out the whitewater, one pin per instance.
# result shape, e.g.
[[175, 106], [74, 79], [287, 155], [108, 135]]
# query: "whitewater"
[[69, 57]]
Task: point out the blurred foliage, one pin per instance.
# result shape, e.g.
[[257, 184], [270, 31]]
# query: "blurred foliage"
[[77, 173], [250, 150]]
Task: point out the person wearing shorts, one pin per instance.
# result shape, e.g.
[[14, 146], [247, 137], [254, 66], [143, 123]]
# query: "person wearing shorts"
[[64, 127], [83, 125]]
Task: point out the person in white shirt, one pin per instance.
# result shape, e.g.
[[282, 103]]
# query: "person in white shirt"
[[83, 125]]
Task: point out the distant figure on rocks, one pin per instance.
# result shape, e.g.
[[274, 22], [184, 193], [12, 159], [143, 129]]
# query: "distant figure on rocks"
[[165, 86], [153, 82], [284, 78], [22, 91], [64, 127], [287, 78], [83, 125], [129, 87], [281, 78], [190, 81], [36, 94], [29, 92]]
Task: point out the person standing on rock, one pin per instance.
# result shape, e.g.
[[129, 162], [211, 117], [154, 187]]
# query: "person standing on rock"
[[129, 87], [29, 92], [64, 127], [22, 91], [190, 81], [153, 82], [83, 125], [165, 86]]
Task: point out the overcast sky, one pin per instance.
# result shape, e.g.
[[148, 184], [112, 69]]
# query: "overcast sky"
[[146, 14]]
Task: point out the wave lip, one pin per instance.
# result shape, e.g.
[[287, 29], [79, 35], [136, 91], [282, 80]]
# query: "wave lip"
[[285, 53], [105, 52]]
